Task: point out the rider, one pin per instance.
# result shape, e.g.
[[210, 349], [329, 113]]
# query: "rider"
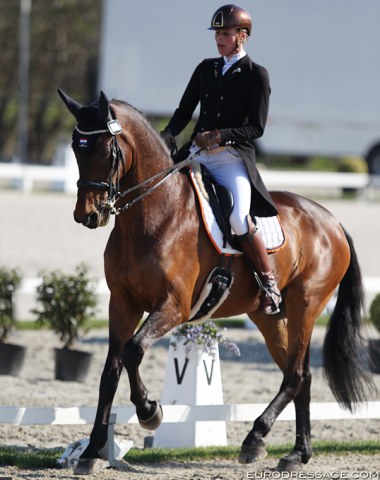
[[233, 92]]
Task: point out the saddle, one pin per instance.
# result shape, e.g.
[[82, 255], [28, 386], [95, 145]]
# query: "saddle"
[[218, 201], [221, 202]]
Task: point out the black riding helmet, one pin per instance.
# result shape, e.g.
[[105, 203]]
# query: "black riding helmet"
[[231, 16]]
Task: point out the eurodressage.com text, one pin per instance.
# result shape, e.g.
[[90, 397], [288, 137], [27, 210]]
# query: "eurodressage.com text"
[[315, 475]]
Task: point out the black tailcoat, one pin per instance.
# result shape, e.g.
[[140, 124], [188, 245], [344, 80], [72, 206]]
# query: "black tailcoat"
[[237, 104]]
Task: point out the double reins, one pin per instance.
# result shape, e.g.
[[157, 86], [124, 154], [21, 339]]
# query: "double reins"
[[114, 194], [168, 172]]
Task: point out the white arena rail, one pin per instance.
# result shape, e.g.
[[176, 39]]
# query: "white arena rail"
[[185, 414], [25, 296], [62, 175], [181, 413], [26, 177], [322, 180]]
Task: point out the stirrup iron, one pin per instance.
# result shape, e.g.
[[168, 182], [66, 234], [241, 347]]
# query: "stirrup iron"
[[266, 289]]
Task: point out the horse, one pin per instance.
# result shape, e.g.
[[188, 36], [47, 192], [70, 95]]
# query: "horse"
[[158, 256]]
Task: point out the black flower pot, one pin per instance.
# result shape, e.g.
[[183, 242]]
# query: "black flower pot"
[[71, 365], [11, 358], [374, 355]]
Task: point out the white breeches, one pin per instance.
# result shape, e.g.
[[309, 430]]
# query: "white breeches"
[[228, 168]]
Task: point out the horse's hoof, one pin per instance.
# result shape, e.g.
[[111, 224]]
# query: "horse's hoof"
[[287, 465], [251, 453], [89, 466], [155, 420]]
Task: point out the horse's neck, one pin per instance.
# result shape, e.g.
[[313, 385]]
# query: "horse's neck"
[[157, 213], [154, 209], [150, 162]]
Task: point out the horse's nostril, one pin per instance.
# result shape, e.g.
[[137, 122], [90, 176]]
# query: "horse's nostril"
[[92, 220]]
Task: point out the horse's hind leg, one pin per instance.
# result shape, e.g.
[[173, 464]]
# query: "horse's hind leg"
[[302, 451], [289, 348]]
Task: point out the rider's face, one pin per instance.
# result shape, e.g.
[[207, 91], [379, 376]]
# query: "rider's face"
[[227, 41]]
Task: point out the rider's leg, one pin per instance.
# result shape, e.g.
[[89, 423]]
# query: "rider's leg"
[[254, 248], [230, 171]]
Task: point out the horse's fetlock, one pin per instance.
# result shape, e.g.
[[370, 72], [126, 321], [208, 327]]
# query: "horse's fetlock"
[[254, 439], [146, 410], [261, 428], [306, 454]]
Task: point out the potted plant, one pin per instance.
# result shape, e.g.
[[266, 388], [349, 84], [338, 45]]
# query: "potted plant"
[[374, 344], [11, 355], [67, 304]]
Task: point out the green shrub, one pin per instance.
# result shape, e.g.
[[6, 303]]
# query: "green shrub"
[[9, 281], [352, 165], [67, 303], [374, 312]]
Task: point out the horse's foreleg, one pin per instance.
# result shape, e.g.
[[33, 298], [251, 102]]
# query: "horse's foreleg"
[[155, 326], [90, 460], [107, 389], [120, 331]]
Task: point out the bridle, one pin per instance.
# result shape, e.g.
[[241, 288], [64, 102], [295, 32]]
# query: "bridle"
[[113, 189], [117, 157]]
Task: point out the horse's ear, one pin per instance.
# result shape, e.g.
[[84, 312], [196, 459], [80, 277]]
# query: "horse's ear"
[[73, 106], [104, 110]]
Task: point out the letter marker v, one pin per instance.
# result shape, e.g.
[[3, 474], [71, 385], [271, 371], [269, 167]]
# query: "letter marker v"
[[179, 375], [209, 376]]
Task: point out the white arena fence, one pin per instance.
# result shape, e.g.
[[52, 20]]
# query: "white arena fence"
[[63, 175], [181, 413], [25, 296], [186, 415]]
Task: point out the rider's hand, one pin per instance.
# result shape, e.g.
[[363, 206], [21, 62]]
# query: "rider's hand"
[[208, 140]]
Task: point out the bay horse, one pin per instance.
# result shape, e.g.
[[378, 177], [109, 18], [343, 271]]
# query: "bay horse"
[[157, 259]]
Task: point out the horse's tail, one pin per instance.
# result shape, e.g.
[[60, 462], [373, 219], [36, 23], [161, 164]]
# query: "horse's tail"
[[345, 363]]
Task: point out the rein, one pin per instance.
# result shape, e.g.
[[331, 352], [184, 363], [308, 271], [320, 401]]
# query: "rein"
[[114, 194], [168, 172]]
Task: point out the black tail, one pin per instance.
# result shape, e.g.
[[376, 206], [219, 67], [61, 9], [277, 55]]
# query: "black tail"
[[345, 363]]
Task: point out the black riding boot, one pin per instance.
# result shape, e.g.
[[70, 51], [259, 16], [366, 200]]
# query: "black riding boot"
[[254, 249]]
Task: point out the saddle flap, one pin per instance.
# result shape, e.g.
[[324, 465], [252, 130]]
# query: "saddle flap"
[[221, 202]]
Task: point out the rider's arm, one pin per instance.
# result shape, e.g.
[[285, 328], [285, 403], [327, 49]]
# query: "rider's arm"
[[258, 112]]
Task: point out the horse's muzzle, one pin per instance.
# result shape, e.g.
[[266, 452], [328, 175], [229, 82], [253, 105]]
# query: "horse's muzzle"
[[94, 219]]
